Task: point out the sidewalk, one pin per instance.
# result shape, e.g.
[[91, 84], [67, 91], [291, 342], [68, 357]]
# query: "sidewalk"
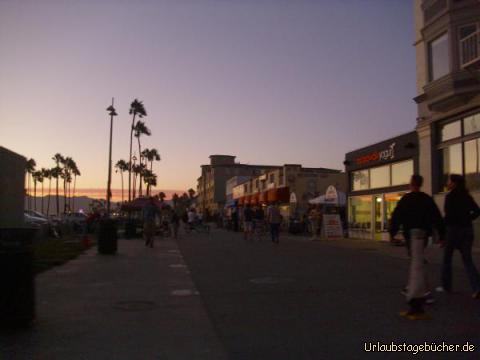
[[138, 304]]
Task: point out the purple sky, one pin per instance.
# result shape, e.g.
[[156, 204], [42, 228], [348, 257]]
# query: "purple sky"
[[270, 81]]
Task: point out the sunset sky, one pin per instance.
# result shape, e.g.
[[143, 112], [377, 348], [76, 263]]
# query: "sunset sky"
[[270, 81]]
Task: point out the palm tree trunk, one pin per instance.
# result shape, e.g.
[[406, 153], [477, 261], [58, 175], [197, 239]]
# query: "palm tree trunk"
[[130, 161], [121, 174], [140, 174], [74, 186], [34, 195], [134, 185], [42, 197], [58, 200], [28, 191], [64, 195], [49, 192]]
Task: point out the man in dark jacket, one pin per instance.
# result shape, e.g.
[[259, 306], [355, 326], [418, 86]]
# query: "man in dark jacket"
[[460, 211], [418, 215]]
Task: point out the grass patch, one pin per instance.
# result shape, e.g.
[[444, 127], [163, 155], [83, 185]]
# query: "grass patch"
[[53, 252]]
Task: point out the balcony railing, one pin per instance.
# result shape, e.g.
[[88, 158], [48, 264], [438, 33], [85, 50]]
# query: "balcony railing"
[[470, 49]]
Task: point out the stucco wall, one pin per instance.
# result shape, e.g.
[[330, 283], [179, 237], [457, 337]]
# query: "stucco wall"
[[12, 188]]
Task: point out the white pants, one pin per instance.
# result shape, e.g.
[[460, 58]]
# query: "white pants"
[[417, 279]]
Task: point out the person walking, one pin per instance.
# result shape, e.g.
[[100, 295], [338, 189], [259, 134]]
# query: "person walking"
[[460, 211], [149, 215], [175, 221], [259, 222], [248, 222], [418, 214], [274, 219]]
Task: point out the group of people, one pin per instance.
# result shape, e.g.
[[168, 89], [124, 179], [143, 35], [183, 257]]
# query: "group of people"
[[169, 221], [255, 220], [419, 217]]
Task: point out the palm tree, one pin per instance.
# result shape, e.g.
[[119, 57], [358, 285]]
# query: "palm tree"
[[67, 178], [151, 155], [121, 166], [58, 158], [161, 195], [36, 176], [136, 108], [191, 193], [75, 172], [43, 175], [136, 169], [150, 179], [48, 174], [141, 129], [30, 168]]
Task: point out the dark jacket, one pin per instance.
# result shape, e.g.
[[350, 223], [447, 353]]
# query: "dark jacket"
[[417, 210], [460, 208]]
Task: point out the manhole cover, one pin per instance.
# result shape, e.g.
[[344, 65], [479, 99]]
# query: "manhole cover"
[[135, 305], [184, 292], [270, 280]]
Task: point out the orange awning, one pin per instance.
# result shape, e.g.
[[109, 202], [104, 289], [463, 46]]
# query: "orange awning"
[[254, 199], [281, 195]]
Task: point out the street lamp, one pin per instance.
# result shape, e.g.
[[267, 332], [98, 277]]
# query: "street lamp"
[[112, 113]]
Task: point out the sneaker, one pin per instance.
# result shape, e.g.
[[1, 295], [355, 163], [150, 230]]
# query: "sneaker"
[[429, 299]]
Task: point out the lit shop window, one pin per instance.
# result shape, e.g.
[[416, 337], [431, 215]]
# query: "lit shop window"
[[472, 164], [452, 161], [402, 172], [360, 212], [471, 124], [380, 177], [439, 59], [451, 131], [360, 180]]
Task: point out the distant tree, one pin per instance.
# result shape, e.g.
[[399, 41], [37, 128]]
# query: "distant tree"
[[175, 198], [121, 166], [151, 155], [191, 193], [44, 175], [75, 172], [136, 108], [59, 159], [48, 174], [150, 179], [30, 168], [37, 177], [141, 129], [162, 196]]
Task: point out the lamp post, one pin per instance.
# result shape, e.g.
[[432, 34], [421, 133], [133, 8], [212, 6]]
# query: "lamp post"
[[112, 113]]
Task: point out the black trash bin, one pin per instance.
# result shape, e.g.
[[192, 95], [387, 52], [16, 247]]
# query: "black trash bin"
[[17, 294], [107, 237]]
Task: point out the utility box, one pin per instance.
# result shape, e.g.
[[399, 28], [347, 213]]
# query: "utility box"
[[12, 189]]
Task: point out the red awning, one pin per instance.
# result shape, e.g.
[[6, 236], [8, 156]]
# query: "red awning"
[[262, 197], [254, 199], [247, 199], [241, 200]]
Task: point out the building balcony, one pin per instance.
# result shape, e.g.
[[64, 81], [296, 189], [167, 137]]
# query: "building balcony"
[[470, 51], [450, 91]]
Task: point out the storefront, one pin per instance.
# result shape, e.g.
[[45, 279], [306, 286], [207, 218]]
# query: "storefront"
[[378, 177]]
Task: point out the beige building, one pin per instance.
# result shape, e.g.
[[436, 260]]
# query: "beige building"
[[291, 185], [447, 43], [12, 187], [211, 185]]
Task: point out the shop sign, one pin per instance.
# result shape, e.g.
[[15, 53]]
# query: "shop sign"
[[333, 226], [384, 155], [293, 198], [331, 194]]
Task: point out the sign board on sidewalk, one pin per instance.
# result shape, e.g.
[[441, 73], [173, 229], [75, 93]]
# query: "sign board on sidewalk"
[[332, 226]]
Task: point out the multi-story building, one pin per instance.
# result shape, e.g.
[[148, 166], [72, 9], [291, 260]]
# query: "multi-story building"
[[211, 185], [447, 43], [290, 185]]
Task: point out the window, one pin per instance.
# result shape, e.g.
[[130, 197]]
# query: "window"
[[451, 131], [380, 177], [280, 179], [257, 184], [472, 164], [402, 172], [360, 180], [466, 31], [452, 161], [439, 59], [360, 212], [272, 178], [471, 124]]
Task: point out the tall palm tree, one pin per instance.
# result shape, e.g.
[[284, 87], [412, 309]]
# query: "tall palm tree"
[[67, 178], [30, 168], [121, 166], [43, 176], [58, 158], [48, 174], [37, 177], [75, 172], [141, 129], [136, 108], [151, 155]]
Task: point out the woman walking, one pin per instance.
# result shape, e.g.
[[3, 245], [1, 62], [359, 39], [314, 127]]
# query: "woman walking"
[[460, 211]]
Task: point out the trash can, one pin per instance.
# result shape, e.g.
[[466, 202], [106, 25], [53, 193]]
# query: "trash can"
[[17, 294], [107, 237]]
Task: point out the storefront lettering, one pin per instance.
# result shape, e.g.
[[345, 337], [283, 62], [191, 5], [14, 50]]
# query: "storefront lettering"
[[384, 155]]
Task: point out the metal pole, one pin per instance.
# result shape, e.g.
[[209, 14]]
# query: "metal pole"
[[109, 191]]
